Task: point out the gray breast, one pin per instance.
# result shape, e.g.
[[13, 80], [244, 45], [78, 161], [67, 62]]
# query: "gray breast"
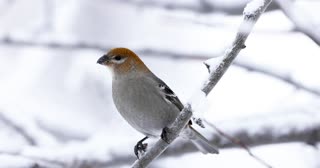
[[142, 106]]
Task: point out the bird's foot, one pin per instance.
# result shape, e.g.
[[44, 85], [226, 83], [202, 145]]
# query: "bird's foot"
[[164, 134], [140, 148]]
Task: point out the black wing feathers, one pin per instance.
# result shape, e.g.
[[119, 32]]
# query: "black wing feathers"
[[170, 96]]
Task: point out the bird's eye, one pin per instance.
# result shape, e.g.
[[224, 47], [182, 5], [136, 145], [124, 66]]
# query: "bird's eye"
[[118, 57]]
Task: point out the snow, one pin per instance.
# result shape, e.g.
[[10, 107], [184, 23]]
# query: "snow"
[[66, 92], [246, 27], [198, 103], [253, 7], [14, 162], [214, 63]]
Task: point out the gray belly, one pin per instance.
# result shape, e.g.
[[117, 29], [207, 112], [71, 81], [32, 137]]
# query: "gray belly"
[[143, 107]]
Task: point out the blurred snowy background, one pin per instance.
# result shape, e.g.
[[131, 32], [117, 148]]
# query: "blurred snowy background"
[[56, 108]]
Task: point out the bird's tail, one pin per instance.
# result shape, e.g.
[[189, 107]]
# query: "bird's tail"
[[200, 141]]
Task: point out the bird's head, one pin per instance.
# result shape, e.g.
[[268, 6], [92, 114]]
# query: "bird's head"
[[122, 61]]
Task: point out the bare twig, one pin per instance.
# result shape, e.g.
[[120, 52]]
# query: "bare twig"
[[296, 125], [240, 143], [254, 131], [302, 126], [264, 129], [30, 140], [200, 6], [283, 78], [7, 40], [154, 52], [250, 16], [33, 135], [302, 22]]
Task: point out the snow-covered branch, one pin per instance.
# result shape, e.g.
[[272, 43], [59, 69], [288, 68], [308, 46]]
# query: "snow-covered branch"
[[300, 19], [30, 141], [252, 13]]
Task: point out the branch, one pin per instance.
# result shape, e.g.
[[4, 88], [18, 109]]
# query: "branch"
[[33, 135], [30, 140], [152, 52], [254, 131], [242, 64], [300, 19], [295, 125], [239, 143], [7, 40], [264, 129], [199, 6], [251, 14], [281, 77]]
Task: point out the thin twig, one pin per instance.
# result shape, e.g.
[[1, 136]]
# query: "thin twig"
[[33, 135], [250, 16], [285, 79], [200, 6], [240, 143], [21, 131]]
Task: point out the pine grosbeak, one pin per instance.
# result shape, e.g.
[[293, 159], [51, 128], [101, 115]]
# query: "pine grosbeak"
[[144, 100]]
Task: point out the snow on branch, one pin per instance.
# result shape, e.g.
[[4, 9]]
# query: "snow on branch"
[[300, 19], [251, 15]]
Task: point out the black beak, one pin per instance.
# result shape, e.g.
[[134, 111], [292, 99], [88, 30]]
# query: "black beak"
[[103, 59]]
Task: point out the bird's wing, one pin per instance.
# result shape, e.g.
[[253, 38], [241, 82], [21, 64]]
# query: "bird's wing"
[[169, 95]]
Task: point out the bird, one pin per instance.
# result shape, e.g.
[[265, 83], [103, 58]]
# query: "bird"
[[145, 101]]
